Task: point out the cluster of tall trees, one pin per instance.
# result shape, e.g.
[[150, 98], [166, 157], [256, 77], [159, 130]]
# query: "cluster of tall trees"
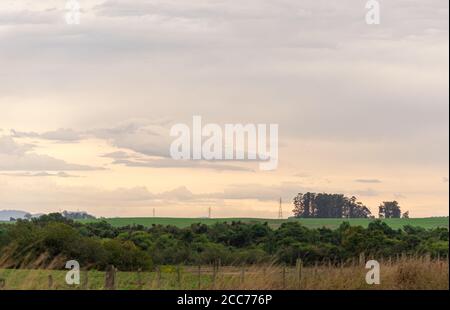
[[78, 215], [323, 205], [390, 209]]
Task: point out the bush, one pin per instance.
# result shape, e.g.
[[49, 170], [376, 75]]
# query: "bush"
[[129, 248]]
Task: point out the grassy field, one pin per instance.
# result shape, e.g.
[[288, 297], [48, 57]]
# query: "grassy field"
[[310, 223], [408, 273]]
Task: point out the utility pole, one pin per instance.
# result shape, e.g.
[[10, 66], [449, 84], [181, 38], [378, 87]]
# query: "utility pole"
[[209, 212], [280, 210], [154, 212]]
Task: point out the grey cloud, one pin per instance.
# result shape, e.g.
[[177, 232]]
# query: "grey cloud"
[[116, 155], [232, 60], [285, 190], [23, 134], [62, 135], [367, 193], [9, 147], [237, 192], [41, 174], [17, 157], [142, 136], [138, 135], [367, 181], [171, 163], [181, 193], [318, 13], [39, 196], [301, 175], [37, 162], [283, 75], [151, 138], [28, 17], [216, 10]]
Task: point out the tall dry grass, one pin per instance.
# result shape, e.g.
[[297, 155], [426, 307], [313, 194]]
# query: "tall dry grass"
[[406, 274], [403, 274]]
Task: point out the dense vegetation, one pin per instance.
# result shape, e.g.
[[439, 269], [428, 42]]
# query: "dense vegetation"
[[99, 244]]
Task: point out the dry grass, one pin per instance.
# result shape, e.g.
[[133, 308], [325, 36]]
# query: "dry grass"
[[405, 274]]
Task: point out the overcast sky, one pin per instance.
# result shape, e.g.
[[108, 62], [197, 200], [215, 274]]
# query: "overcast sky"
[[86, 110]]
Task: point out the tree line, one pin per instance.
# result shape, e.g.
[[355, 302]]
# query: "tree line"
[[324, 205], [52, 239]]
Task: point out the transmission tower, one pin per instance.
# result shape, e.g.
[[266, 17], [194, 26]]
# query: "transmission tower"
[[154, 212], [280, 210], [209, 212]]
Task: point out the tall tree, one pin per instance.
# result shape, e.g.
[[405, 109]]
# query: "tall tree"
[[389, 209], [303, 206]]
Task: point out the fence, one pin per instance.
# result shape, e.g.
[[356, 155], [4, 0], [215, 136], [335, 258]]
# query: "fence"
[[215, 276]]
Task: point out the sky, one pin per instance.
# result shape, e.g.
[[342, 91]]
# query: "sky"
[[86, 110]]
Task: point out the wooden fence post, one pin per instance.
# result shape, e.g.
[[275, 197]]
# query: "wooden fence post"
[[179, 276], [362, 259], [299, 266], [50, 281], [110, 278], [428, 258], [199, 276], [139, 278], [284, 277], [242, 274], [2, 283], [158, 277], [214, 275], [85, 278]]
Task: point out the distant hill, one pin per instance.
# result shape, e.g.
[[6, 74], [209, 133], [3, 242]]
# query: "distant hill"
[[5, 215]]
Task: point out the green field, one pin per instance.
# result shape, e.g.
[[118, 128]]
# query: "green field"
[[310, 223]]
